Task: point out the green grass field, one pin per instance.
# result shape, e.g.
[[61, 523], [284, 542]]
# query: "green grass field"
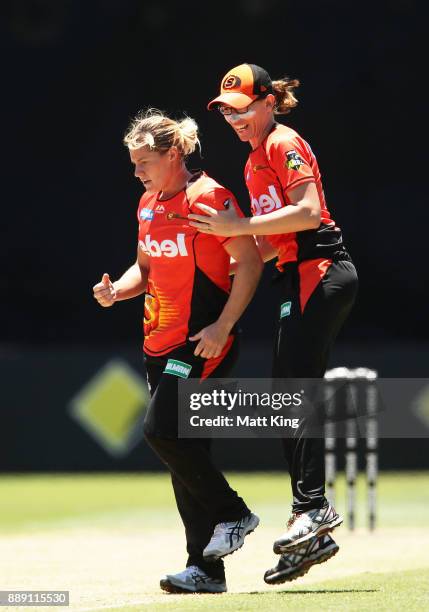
[[108, 539]]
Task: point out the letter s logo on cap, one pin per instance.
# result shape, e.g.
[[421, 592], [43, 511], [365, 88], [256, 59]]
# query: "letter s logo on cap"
[[231, 81]]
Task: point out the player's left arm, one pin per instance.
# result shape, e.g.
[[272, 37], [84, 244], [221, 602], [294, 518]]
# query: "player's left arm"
[[248, 269], [266, 250]]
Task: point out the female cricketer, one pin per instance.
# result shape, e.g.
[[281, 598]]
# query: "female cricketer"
[[190, 316], [318, 281]]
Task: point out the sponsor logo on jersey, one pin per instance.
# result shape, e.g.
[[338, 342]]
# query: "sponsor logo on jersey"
[[285, 309], [259, 167], [293, 160], [172, 215], [266, 203], [160, 208], [146, 213], [178, 368], [151, 314], [166, 248]]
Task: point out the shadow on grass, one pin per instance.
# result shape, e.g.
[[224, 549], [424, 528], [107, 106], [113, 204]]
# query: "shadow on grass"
[[315, 592]]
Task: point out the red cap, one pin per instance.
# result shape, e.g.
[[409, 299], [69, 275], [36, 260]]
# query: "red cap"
[[243, 85]]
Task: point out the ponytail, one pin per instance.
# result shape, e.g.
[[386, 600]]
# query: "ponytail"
[[283, 90], [187, 135]]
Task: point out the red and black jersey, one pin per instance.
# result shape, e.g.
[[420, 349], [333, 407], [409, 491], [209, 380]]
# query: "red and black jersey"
[[282, 162], [189, 281]]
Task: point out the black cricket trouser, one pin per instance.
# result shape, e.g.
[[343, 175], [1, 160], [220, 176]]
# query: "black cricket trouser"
[[203, 496], [302, 349]]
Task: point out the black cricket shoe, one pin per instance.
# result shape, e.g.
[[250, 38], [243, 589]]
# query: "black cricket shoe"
[[298, 562], [192, 580]]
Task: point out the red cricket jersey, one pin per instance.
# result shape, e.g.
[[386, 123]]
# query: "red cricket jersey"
[[283, 161], [189, 281]]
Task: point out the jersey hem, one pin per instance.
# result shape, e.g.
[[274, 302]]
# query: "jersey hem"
[[162, 351]]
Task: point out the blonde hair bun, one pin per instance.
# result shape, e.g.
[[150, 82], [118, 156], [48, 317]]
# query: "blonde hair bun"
[[154, 129]]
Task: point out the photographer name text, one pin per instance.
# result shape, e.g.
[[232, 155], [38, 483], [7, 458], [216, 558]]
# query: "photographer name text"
[[244, 421]]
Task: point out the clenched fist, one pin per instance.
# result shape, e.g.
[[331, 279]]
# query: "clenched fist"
[[104, 292]]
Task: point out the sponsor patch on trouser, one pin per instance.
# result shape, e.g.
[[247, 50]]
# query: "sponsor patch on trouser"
[[178, 368], [285, 309]]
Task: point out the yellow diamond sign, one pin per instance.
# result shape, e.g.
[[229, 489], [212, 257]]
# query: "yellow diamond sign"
[[111, 407]]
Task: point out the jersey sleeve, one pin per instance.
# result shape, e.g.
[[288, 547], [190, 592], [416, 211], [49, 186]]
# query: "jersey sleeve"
[[144, 214], [220, 199], [291, 160], [138, 220]]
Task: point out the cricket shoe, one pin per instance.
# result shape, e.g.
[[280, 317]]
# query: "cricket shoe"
[[297, 563], [192, 580], [228, 537], [303, 526]]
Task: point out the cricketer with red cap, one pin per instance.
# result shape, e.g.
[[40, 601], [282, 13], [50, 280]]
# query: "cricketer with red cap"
[[243, 85], [317, 282]]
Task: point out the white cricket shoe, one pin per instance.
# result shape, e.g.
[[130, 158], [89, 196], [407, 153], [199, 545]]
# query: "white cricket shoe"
[[298, 562], [228, 537], [305, 525], [192, 580]]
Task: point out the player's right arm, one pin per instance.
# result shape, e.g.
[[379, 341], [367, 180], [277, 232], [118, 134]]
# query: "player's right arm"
[[131, 284], [266, 251]]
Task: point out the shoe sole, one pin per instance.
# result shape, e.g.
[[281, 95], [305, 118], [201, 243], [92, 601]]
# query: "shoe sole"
[[169, 587], [304, 569], [213, 558], [279, 549]]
